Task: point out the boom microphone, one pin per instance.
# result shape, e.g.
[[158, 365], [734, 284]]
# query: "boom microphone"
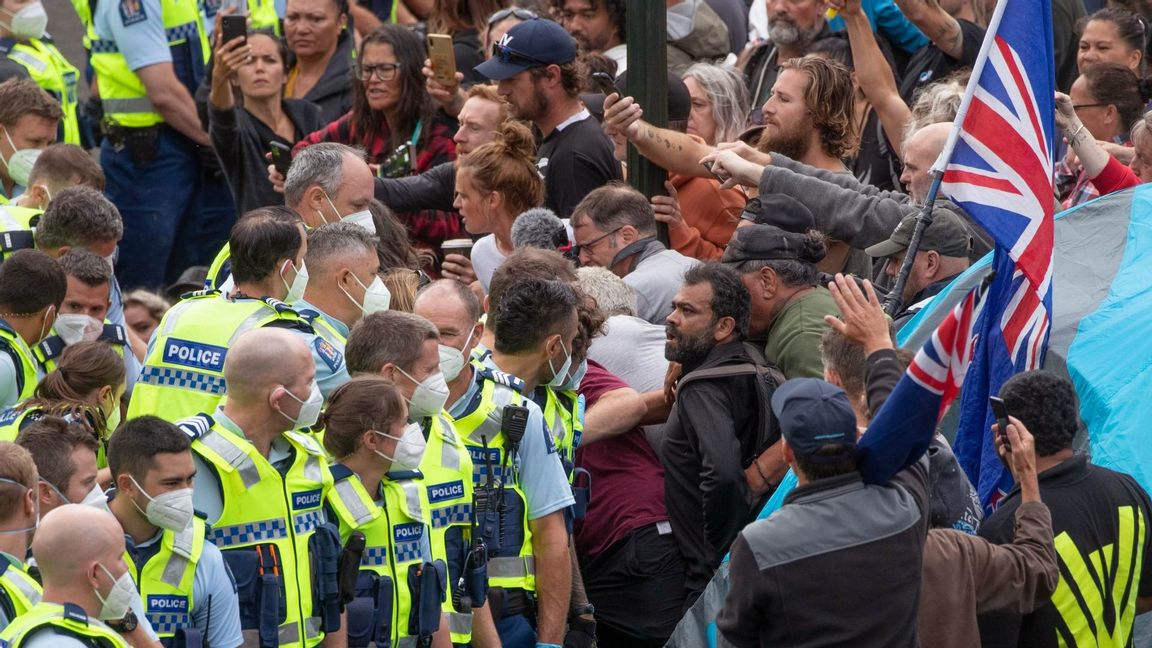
[[539, 228]]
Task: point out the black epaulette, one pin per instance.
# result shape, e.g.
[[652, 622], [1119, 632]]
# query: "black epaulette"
[[196, 426], [502, 378]]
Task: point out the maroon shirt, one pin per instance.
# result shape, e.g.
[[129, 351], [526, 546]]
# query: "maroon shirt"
[[627, 477]]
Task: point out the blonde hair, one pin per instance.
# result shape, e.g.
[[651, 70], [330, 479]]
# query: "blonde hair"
[[829, 98]]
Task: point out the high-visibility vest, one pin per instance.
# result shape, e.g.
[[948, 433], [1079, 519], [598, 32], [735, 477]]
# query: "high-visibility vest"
[[164, 577], [52, 72], [122, 93], [447, 470], [67, 619], [392, 532], [184, 371], [262, 14], [514, 565], [221, 269], [50, 348], [27, 370], [17, 229], [564, 414], [267, 522], [19, 592]]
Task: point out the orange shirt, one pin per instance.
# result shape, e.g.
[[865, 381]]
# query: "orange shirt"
[[708, 217]]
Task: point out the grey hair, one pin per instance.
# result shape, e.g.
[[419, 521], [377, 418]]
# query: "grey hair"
[[320, 164], [935, 103], [336, 242], [612, 295], [729, 97], [78, 216]]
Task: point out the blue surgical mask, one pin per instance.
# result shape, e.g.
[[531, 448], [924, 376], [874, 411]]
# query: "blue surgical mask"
[[573, 382], [559, 377]]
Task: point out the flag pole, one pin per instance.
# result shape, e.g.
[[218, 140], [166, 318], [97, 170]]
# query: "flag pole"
[[895, 298]]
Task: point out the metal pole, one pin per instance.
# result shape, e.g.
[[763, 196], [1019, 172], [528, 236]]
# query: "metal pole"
[[895, 298], [648, 84]]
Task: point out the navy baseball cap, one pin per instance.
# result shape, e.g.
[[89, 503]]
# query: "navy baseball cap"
[[814, 414], [530, 44]]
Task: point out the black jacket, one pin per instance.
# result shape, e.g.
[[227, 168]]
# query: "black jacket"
[[712, 429], [333, 91]]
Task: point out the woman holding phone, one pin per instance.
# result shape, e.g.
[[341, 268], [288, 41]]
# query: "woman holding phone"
[[247, 111]]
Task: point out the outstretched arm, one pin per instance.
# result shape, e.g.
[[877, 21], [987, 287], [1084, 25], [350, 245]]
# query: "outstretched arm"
[[676, 152]]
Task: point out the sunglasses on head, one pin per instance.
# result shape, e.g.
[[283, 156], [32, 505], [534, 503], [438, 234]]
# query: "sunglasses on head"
[[503, 14], [505, 54]]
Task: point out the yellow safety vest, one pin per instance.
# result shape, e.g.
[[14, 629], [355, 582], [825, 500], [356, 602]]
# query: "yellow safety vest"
[[19, 591], [17, 229], [220, 270], [262, 14], [393, 531], [184, 371], [27, 369], [268, 522], [122, 93], [514, 566], [564, 413], [67, 619], [52, 72], [447, 470], [48, 351], [165, 578]]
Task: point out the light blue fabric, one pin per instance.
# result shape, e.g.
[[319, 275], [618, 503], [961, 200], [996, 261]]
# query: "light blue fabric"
[[141, 43], [886, 18]]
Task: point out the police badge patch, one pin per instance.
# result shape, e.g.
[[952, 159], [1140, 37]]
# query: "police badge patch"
[[329, 354], [132, 12]]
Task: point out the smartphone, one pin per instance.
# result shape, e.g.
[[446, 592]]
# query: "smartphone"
[[233, 27], [603, 83], [281, 157], [443, 58], [1001, 414]]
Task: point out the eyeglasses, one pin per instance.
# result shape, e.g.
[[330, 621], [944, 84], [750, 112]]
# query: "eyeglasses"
[[505, 54], [384, 71], [1095, 105], [503, 14], [577, 248]]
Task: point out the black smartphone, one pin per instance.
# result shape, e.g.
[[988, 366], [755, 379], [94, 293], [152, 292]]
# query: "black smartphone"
[[233, 27], [603, 83], [281, 157], [1001, 414]]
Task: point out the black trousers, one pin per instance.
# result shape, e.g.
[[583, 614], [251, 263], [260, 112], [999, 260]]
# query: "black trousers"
[[637, 587]]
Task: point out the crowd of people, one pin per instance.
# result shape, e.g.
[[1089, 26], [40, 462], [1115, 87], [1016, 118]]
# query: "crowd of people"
[[305, 341]]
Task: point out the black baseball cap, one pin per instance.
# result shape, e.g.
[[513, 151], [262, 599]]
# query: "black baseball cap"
[[530, 44], [780, 210], [948, 234], [764, 243], [814, 414]]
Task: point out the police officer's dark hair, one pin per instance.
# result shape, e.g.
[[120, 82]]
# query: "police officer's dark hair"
[[616, 205], [260, 239], [30, 281], [51, 440], [83, 368], [62, 165], [134, 447], [794, 273], [387, 337], [460, 291], [361, 404], [88, 267], [79, 216], [530, 311], [528, 263], [20, 97], [730, 297], [1047, 405]]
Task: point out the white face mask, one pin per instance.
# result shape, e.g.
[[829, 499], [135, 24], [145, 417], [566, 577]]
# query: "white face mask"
[[410, 447], [299, 284], [78, 327], [119, 599], [452, 359], [309, 409], [30, 22], [96, 499], [172, 510], [334, 210], [377, 297], [559, 377], [361, 218], [429, 397], [21, 163]]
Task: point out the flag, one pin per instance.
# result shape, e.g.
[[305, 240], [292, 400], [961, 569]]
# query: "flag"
[[997, 165]]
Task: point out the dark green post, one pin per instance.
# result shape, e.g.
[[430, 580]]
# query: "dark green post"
[[648, 84]]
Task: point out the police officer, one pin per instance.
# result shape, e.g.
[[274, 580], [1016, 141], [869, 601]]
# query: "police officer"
[[87, 586], [405, 349], [149, 58], [181, 576], [31, 54], [262, 486], [21, 511], [327, 183], [32, 287], [183, 372], [377, 492], [522, 488], [343, 285], [29, 117]]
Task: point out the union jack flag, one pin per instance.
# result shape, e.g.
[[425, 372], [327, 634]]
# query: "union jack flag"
[[997, 165]]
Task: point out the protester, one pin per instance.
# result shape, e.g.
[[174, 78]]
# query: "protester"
[[955, 41], [32, 287], [143, 311], [317, 34], [536, 70], [327, 183], [254, 67], [615, 227], [1113, 35], [598, 26], [719, 103], [792, 27], [463, 22]]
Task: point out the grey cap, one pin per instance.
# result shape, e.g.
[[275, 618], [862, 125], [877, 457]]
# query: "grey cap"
[[948, 234], [762, 242]]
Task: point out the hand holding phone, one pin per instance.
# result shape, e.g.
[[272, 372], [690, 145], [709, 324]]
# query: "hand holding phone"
[[443, 57], [281, 157], [1001, 414], [232, 27], [603, 83]]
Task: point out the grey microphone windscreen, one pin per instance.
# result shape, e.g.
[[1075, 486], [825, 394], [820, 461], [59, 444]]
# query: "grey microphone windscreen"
[[539, 228]]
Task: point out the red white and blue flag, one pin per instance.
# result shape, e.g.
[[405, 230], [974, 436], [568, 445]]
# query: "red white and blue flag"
[[997, 165]]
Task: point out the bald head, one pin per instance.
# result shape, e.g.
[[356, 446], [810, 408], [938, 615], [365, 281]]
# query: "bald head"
[[262, 359], [61, 558], [920, 152]]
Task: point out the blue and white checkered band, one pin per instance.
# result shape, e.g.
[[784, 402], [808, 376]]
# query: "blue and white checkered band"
[[308, 521], [456, 514], [250, 533], [374, 557]]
